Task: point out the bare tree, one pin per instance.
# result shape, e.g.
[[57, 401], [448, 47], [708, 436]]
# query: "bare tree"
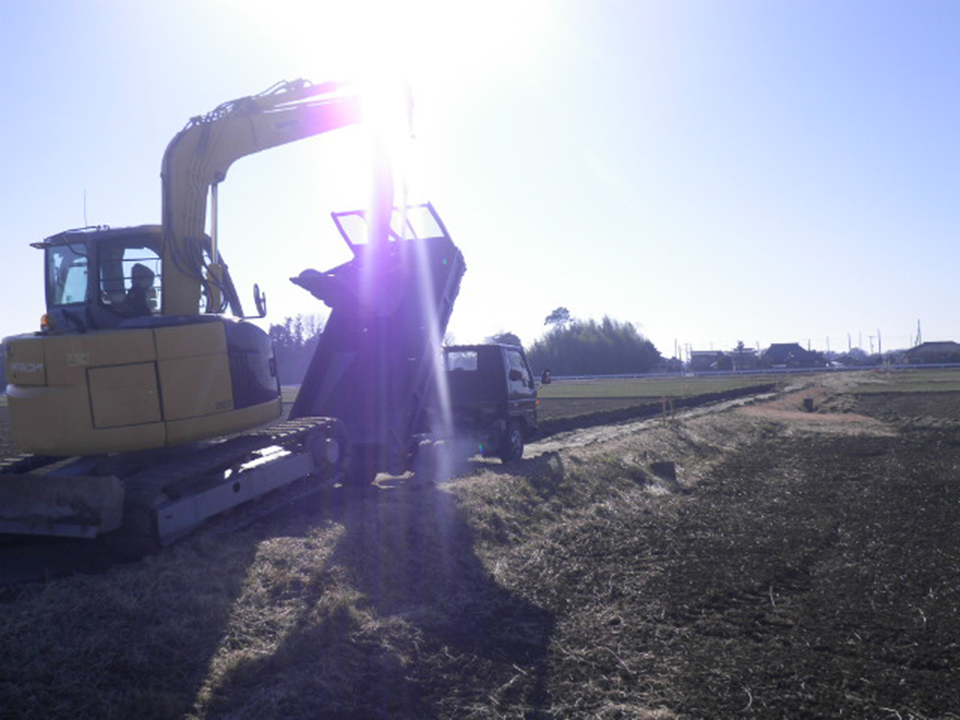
[[505, 338], [559, 318]]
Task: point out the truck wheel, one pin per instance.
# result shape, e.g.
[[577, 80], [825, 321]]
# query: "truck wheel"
[[426, 462], [511, 447]]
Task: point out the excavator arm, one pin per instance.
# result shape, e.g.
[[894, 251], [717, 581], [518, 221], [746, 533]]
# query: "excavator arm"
[[198, 157]]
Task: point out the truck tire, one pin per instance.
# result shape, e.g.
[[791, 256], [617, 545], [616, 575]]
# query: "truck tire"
[[511, 446]]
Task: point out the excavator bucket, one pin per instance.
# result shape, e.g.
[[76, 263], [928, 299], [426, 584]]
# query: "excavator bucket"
[[81, 507]]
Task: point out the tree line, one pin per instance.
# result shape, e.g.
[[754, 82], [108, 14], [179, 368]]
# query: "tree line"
[[294, 342], [570, 347], [588, 347]]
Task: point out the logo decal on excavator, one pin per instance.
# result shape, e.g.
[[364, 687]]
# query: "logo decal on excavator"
[[27, 367]]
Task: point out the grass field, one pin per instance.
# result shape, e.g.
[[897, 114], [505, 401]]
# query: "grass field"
[[640, 388], [650, 388], [909, 381]]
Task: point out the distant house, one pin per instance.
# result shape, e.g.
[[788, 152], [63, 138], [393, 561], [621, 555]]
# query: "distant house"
[[934, 352], [704, 360], [673, 365], [744, 358], [724, 363], [790, 355]]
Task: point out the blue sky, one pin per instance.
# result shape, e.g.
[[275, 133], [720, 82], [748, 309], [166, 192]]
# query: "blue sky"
[[710, 171]]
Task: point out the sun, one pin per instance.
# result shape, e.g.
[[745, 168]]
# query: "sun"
[[423, 42]]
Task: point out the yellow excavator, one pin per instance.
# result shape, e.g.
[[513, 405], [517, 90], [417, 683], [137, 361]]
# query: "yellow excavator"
[[147, 402]]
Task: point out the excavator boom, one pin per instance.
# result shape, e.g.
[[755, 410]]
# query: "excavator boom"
[[199, 156]]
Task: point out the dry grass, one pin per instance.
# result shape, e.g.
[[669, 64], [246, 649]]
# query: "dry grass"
[[782, 571]]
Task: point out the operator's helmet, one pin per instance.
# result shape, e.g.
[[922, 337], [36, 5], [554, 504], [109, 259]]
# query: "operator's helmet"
[[142, 276]]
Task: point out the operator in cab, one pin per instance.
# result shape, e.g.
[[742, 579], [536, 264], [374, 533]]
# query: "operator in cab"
[[138, 300]]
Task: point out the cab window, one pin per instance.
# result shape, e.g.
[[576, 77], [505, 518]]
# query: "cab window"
[[126, 272], [517, 372], [66, 274]]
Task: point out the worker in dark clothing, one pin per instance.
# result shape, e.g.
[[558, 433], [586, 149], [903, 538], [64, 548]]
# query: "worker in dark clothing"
[[137, 302]]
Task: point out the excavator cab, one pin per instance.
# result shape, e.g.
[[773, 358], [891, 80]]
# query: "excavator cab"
[[136, 352], [100, 278], [108, 372], [96, 278]]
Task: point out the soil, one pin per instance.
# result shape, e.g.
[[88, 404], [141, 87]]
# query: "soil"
[[805, 566], [789, 556]]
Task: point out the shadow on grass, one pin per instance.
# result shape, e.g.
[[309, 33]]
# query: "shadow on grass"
[[403, 620], [134, 641]]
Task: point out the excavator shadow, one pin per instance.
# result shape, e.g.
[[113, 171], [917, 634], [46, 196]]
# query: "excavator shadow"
[[346, 604], [400, 604]]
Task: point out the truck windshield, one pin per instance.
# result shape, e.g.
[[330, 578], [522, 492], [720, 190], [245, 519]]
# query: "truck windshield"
[[66, 274]]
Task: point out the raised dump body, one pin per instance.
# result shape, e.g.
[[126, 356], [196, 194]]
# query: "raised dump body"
[[380, 350]]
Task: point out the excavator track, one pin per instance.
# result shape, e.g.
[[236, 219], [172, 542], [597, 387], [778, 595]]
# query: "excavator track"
[[168, 500], [25, 462], [139, 505]]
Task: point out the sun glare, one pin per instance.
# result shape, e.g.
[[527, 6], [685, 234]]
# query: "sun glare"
[[420, 63], [433, 43]]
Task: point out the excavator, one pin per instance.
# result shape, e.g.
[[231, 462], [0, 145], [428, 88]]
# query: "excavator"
[[148, 402]]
